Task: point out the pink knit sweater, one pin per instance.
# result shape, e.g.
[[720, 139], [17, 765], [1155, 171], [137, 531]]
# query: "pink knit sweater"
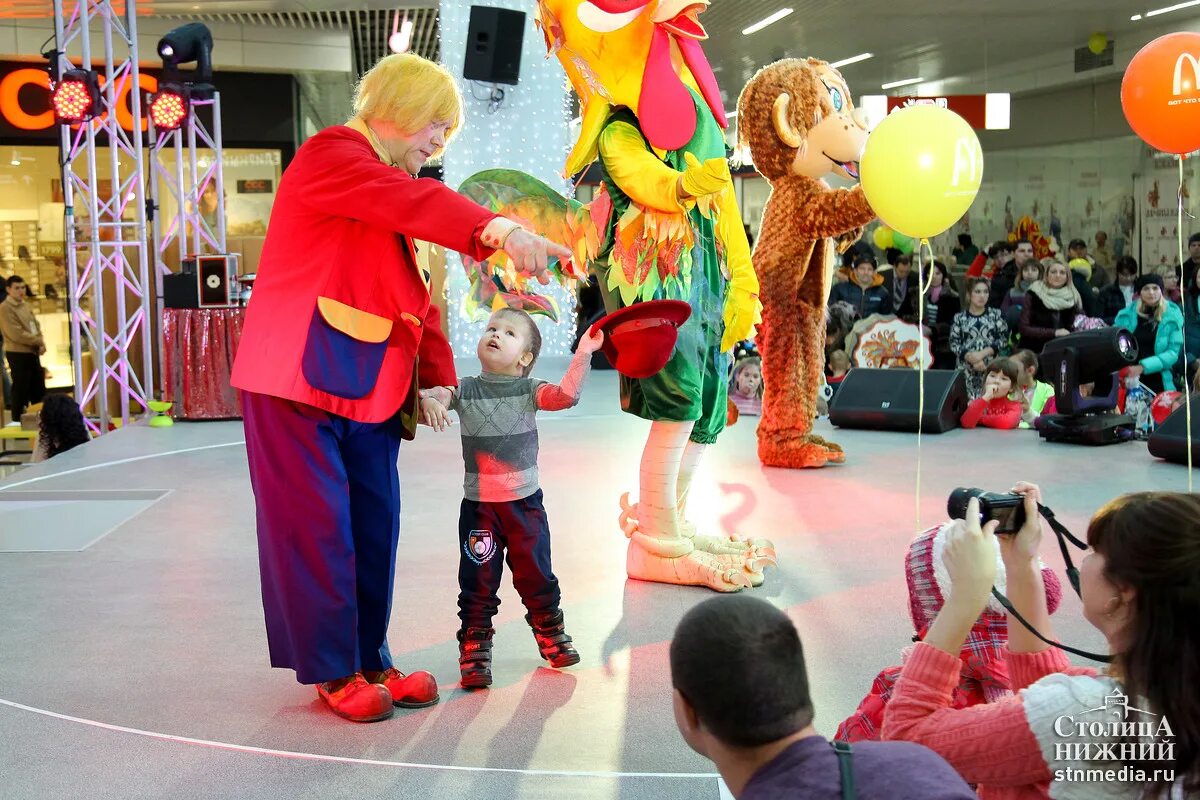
[[990, 745]]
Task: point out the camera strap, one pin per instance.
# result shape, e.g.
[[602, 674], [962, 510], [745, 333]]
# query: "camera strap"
[[1064, 536]]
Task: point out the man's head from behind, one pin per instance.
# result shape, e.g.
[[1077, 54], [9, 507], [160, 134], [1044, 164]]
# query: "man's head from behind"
[[738, 671]]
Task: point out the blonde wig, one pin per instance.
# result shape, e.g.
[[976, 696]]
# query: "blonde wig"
[[410, 92]]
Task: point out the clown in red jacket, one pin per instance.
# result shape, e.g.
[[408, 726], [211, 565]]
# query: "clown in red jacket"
[[339, 337]]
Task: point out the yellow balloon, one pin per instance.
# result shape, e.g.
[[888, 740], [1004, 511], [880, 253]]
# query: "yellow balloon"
[[883, 237], [1097, 42], [921, 170]]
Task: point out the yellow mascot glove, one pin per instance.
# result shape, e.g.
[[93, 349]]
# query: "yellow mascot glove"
[[743, 312], [708, 178]]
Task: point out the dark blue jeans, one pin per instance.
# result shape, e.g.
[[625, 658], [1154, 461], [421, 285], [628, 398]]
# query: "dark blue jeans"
[[490, 534]]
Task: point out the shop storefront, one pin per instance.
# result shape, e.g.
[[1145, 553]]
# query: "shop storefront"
[[259, 130]]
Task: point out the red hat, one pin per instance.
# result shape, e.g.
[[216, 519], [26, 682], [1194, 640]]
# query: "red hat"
[[639, 339]]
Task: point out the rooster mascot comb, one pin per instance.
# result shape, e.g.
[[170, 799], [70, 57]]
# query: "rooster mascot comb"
[[797, 119], [668, 228]]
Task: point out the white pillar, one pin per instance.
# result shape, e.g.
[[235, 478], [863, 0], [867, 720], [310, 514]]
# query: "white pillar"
[[528, 132]]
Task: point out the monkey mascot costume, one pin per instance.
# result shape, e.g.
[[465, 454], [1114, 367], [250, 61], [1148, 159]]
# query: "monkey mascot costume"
[[670, 229], [797, 119]]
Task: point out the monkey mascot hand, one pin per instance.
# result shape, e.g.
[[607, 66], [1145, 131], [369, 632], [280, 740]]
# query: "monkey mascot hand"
[[797, 119]]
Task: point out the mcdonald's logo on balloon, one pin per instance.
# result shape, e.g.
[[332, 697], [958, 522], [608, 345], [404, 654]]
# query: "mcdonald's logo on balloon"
[[1160, 93]]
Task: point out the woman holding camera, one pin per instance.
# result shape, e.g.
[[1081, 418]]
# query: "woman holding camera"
[[1140, 587]]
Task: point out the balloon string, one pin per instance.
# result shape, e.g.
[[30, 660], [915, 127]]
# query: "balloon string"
[[924, 285], [1187, 387]]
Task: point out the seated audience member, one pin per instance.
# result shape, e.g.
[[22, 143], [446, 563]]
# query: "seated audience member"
[[941, 304], [746, 386], [1191, 320], [1117, 295], [1002, 404], [1037, 393], [977, 335], [60, 427], [1007, 276], [840, 321], [836, 369], [1097, 275], [966, 250], [1139, 588], [1157, 324], [864, 291], [901, 284], [983, 675], [1051, 306], [1188, 267], [742, 700], [1014, 301], [996, 259], [1170, 279]]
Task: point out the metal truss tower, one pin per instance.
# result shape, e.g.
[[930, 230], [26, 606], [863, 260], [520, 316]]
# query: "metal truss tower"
[[106, 252], [185, 182]]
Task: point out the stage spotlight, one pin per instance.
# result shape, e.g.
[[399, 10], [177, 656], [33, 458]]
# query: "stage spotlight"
[[185, 44], [1088, 357], [169, 107], [76, 97]]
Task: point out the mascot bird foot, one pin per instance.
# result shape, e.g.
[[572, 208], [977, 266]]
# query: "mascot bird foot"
[[799, 453], [761, 550], [696, 568]]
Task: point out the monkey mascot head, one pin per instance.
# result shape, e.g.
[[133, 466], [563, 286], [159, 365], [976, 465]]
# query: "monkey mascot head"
[[797, 118]]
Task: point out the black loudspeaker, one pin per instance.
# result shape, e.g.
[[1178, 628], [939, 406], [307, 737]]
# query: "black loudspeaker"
[[494, 40], [887, 400], [213, 275], [1169, 440], [180, 289]]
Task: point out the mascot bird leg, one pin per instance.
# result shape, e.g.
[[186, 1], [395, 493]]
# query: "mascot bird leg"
[[761, 551], [658, 550]]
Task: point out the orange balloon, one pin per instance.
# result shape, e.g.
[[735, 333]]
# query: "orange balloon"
[[1160, 93]]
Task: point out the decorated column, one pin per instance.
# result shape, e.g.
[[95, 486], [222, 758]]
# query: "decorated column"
[[527, 130]]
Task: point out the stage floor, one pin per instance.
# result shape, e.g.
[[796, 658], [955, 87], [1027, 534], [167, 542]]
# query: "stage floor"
[[133, 658]]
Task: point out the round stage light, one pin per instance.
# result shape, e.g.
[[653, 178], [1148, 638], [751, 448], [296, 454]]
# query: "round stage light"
[[168, 110], [75, 99]]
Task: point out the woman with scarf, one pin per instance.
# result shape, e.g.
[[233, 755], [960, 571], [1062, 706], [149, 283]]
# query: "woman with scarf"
[[1157, 324], [1050, 308]]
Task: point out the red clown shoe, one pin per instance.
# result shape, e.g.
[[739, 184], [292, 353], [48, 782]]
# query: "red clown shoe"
[[639, 339]]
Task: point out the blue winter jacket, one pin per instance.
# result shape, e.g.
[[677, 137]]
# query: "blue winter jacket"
[[1168, 341]]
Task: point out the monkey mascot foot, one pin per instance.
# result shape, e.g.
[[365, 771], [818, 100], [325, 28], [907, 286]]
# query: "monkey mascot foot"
[[800, 452]]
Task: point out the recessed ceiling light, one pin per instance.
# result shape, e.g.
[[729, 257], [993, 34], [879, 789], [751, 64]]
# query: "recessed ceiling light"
[[771, 20], [1166, 10], [851, 60], [905, 82]]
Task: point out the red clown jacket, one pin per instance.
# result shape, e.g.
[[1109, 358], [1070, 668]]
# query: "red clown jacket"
[[341, 311]]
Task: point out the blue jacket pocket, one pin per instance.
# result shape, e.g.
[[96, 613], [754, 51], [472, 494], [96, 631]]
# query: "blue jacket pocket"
[[336, 362]]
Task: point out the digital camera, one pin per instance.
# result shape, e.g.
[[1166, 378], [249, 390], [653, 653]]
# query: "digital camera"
[[1007, 509]]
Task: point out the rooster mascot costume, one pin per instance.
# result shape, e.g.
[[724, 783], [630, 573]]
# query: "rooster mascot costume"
[[664, 226]]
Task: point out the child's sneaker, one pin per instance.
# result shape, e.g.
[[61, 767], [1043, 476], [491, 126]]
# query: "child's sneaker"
[[475, 657], [552, 639]]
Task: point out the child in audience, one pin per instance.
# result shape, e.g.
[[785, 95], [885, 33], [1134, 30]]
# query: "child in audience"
[[746, 386], [1036, 392], [60, 427], [502, 510], [999, 406], [839, 365]]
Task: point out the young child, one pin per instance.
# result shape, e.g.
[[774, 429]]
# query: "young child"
[[746, 386], [997, 408], [502, 508], [1036, 392], [60, 427], [839, 365]]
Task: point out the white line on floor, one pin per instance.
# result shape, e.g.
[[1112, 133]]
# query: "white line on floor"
[[241, 748], [90, 467]]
